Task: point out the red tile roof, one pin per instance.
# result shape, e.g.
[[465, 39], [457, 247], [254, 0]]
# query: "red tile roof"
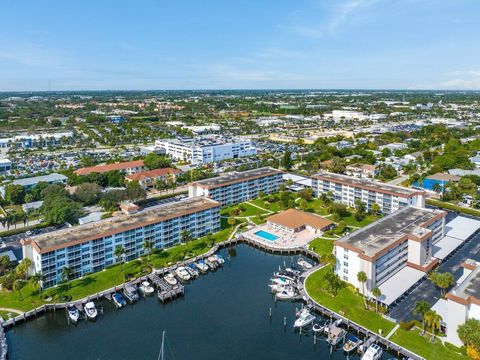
[[109, 167], [152, 174]]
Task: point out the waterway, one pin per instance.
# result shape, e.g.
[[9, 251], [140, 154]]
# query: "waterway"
[[224, 315]]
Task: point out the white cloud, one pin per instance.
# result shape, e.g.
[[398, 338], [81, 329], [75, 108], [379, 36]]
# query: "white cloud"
[[462, 80]]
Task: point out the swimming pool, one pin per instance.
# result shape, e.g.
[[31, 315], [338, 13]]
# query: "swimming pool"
[[428, 184], [266, 235]]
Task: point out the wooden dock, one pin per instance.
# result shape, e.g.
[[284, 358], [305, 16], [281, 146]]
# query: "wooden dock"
[[166, 292]]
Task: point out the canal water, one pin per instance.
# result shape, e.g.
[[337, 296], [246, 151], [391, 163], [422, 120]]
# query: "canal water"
[[224, 315]]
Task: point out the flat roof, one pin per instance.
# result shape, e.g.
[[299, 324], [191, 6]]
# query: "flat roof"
[[37, 179], [470, 286], [90, 231], [294, 219], [398, 284], [462, 227], [235, 177], [367, 184], [407, 222], [445, 246]]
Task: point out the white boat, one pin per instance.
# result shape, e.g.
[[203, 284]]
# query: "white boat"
[[374, 352], [170, 279], [219, 259], [73, 313], [304, 318], [182, 273], [304, 264], [280, 280], [130, 292], [335, 335], [192, 270], [276, 288], [146, 289], [286, 294], [211, 265], [90, 310], [202, 266], [351, 344], [284, 275], [319, 328]]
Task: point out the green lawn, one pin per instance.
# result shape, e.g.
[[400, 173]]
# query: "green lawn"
[[422, 346], [316, 206], [347, 302], [274, 207], [249, 210], [322, 246], [4, 314], [350, 220]]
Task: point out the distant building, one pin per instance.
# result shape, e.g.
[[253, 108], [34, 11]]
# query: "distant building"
[[204, 150], [128, 167], [394, 146], [90, 247], [36, 140], [340, 145], [362, 170], [346, 189], [5, 165], [236, 187], [293, 221], [205, 129], [116, 119], [148, 178], [29, 183]]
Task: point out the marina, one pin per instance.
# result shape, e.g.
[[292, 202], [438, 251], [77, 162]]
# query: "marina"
[[211, 311]]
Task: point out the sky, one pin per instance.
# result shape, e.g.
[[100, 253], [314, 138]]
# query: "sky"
[[244, 44]]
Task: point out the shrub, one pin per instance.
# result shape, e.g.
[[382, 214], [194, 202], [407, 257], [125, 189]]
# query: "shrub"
[[407, 325], [7, 281], [461, 350]]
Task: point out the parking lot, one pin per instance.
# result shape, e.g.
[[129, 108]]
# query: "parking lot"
[[402, 311]]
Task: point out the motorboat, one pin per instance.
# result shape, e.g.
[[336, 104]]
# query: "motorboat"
[[146, 289], [90, 310], [286, 294], [374, 352], [292, 271], [130, 292], [202, 266], [304, 318], [192, 270], [280, 280], [73, 313], [335, 334], [220, 259], [304, 264], [170, 279], [182, 273], [276, 288], [319, 328], [211, 265], [118, 300], [351, 344], [284, 275]]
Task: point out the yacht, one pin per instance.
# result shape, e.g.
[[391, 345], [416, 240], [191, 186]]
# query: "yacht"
[[202, 266], [351, 344], [182, 273], [276, 288], [170, 279], [130, 292], [304, 264], [192, 270], [73, 313], [219, 258], [319, 328], [286, 294], [335, 334], [211, 265], [146, 289], [374, 352], [284, 275], [280, 280], [304, 318], [292, 271], [90, 310], [118, 300]]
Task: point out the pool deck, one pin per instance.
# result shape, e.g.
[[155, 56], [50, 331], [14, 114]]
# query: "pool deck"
[[285, 240]]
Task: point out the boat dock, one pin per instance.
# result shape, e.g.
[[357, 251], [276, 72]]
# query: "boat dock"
[[3, 343], [165, 291]]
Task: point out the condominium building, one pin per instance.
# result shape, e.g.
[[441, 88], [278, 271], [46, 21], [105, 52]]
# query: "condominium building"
[[463, 302], [90, 247], [207, 149], [394, 252], [236, 187], [346, 189], [128, 167]]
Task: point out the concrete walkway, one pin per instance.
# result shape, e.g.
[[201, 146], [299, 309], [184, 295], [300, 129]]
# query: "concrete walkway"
[[19, 312], [392, 331], [259, 207]]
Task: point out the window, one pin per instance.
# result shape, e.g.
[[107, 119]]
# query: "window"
[[345, 278], [345, 263]]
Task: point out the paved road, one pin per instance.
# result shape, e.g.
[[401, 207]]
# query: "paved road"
[[426, 290], [398, 180]]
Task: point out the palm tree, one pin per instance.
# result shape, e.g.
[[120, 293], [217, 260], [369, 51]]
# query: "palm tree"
[[27, 263], [433, 320], [18, 286], [38, 279], [437, 188], [119, 252], [377, 293], [329, 259], [66, 273], [185, 234], [362, 278], [148, 246], [422, 308]]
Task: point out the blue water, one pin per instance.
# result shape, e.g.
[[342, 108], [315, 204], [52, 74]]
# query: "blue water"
[[266, 235], [427, 183]]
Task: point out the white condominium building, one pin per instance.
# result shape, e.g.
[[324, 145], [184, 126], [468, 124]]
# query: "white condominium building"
[[346, 189], [91, 247], [202, 150], [236, 187], [400, 241], [463, 302]]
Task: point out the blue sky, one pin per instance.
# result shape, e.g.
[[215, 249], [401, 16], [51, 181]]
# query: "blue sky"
[[224, 44]]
